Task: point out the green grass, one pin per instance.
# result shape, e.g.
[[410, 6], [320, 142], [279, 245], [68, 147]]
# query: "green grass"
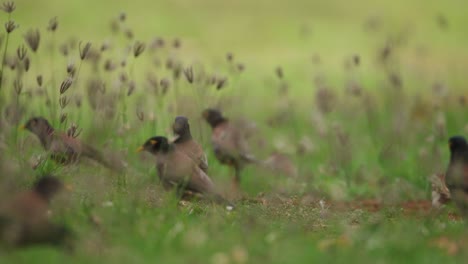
[[381, 144]]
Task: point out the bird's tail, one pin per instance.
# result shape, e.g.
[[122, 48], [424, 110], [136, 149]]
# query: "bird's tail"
[[96, 155]]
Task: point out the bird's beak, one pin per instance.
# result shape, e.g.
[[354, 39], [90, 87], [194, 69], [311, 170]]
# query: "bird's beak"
[[23, 127], [140, 149]]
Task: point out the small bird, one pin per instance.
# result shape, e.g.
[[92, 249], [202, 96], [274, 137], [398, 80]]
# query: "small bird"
[[229, 144], [457, 173], [175, 169], [186, 144], [25, 221], [63, 148]]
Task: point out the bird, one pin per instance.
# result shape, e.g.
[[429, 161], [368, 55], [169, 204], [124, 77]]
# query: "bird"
[[177, 170], [457, 173], [63, 149], [229, 143], [25, 221], [185, 143]]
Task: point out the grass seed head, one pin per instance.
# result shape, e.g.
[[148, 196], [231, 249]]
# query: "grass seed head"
[[279, 72], [138, 48], [18, 86], [63, 101], [10, 26], [39, 80], [27, 64], [84, 50], [8, 7], [65, 85], [33, 38], [53, 24], [188, 73], [71, 69], [21, 52]]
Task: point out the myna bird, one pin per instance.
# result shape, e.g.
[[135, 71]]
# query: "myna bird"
[[25, 221], [457, 173], [186, 144], [177, 170], [229, 144], [63, 149]]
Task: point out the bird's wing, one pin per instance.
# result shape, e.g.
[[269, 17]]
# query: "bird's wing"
[[200, 181]]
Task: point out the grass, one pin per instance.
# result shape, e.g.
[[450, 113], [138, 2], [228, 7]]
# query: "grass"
[[373, 130]]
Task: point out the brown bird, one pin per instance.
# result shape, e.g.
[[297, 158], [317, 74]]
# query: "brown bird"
[[229, 144], [24, 220], [457, 173], [175, 169], [63, 148], [186, 144]]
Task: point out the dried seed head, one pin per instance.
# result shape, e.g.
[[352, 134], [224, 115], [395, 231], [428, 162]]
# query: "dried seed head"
[[18, 86], [131, 88], [325, 99], [27, 64], [395, 80], [21, 52], [385, 53], [64, 49], [39, 80], [8, 7], [115, 26], [138, 48], [176, 44], [84, 50], [157, 43], [63, 101], [356, 60], [221, 83], [78, 100], [65, 85], [123, 63], [109, 65], [165, 84], [177, 71], [33, 38], [279, 72], [140, 115], [212, 80], [11, 62], [230, 57], [122, 16], [129, 33], [188, 72], [170, 62], [105, 46], [63, 117], [123, 77], [71, 69], [53, 24], [240, 67], [10, 26], [442, 21], [462, 100], [73, 131]]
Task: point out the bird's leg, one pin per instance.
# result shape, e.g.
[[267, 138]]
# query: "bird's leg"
[[236, 179]]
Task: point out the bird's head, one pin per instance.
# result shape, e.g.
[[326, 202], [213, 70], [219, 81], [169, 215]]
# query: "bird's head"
[[38, 126], [213, 117], [457, 144], [155, 145]]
